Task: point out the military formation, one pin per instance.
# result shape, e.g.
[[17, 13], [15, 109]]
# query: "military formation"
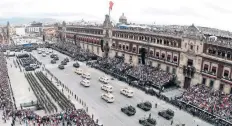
[[56, 94], [44, 102]]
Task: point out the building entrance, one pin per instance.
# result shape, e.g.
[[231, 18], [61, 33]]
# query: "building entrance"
[[187, 82]]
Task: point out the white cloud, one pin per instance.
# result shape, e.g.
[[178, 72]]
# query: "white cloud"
[[211, 13]]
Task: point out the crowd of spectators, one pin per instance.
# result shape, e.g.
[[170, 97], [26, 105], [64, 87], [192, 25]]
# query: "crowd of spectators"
[[29, 117], [142, 73], [208, 99], [147, 73], [69, 117], [6, 102], [74, 51]]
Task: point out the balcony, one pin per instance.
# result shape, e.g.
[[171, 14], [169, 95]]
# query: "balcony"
[[189, 71], [209, 74], [227, 80]]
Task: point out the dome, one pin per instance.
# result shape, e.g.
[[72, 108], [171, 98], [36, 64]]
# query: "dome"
[[123, 17]]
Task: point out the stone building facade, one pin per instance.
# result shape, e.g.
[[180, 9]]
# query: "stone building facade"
[[192, 55]]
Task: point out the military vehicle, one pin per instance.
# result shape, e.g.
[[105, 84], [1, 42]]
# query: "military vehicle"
[[167, 114], [76, 65], [56, 58], [66, 59], [52, 55], [61, 67], [63, 62], [28, 68], [146, 106], [53, 61], [129, 110], [147, 121]]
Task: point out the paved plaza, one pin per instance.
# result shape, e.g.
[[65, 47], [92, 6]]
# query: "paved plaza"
[[110, 114]]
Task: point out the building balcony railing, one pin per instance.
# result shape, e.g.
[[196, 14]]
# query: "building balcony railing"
[[209, 73], [189, 71], [227, 80]]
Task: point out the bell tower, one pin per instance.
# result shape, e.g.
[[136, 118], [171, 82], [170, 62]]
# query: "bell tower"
[[63, 31], [8, 32], [107, 36]]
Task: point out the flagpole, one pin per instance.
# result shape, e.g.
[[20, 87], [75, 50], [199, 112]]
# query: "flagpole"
[[109, 13]]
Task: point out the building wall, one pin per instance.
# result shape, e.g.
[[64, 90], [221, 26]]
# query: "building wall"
[[189, 49], [20, 31]]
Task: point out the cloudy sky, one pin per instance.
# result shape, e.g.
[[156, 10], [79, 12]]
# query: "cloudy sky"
[[210, 13]]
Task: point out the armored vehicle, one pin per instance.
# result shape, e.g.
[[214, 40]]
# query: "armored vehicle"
[[53, 61], [61, 67], [76, 65], [52, 55], [147, 121], [63, 62], [66, 59], [56, 58], [28, 68], [146, 106], [129, 110], [167, 114]]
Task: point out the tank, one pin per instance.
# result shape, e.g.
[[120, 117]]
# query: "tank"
[[167, 114], [76, 65], [129, 110], [66, 60], [61, 67], [146, 106], [53, 61], [56, 58], [147, 121], [52, 55], [63, 62]]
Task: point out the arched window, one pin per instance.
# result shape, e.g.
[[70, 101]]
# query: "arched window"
[[223, 54], [113, 45], [157, 54], [214, 51], [228, 55], [206, 67], [151, 53], [123, 47], [127, 47], [134, 49], [120, 46]]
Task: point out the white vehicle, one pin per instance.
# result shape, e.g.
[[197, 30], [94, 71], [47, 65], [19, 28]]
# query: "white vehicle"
[[79, 71], [127, 92], [44, 55], [108, 97], [107, 87], [50, 51], [47, 52], [104, 80], [86, 75], [39, 52], [85, 83]]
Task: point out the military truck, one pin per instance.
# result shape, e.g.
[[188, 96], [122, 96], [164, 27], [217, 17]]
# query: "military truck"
[[167, 114], [147, 121], [146, 106], [61, 67], [129, 110]]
